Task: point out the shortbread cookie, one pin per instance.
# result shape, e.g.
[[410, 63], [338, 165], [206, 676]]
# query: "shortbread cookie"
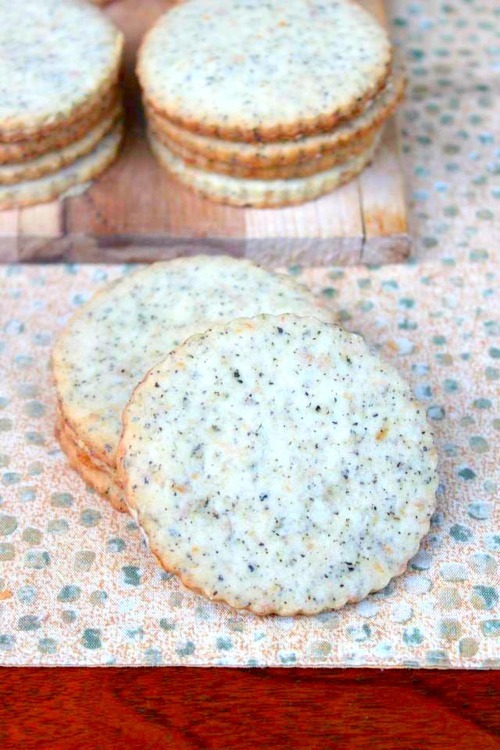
[[56, 60], [127, 328], [249, 70], [100, 480], [54, 185], [304, 149], [320, 163], [260, 193], [20, 151], [54, 161], [277, 465]]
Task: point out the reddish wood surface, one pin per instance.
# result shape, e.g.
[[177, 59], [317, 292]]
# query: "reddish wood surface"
[[208, 709]]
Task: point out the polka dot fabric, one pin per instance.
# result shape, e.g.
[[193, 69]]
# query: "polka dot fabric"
[[78, 586]]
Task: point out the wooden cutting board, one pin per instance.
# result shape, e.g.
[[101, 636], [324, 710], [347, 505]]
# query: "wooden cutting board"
[[136, 212]]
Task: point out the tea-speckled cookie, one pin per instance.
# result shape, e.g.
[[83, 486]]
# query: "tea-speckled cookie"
[[56, 59], [127, 328], [300, 150], [54, 185], [249, 70], [237, 191], [99, 479], [20, 151], [278, 465], [53, 161], [320, 163]]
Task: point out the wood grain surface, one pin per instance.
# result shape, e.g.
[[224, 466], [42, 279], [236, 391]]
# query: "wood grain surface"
[[198, 709], [135, 211]]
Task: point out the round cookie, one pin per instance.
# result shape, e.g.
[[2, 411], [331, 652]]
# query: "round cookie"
[[20, 151], [53, 161], [248, 71], [261, 193], [320, 163], [128, 327], [100, 480], [278, 465], [303, 149], [56, 61], [52, 186]]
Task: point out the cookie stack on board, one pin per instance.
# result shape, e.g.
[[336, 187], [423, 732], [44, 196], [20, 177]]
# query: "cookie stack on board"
[[272, 460], [60, 107], [267, 104]]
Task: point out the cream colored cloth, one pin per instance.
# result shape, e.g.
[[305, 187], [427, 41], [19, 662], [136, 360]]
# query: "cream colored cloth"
[[78, 586]]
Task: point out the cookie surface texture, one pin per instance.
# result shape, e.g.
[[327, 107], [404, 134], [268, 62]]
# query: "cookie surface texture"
[[125, 329], [277, 465], [248, 70], [55, 58]]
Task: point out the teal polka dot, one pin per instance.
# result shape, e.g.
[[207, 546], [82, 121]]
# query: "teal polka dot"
[[359, 633], [436, 413], [491, 628], [480, 511], [36, 559], [224, 644], [460, 533], [7, 642], [91, 638], [484, 597], [413, 636], [466, 473], [28, 623], [187, 650], [69, 593], [47, 645], [131, 575], [166, 624]]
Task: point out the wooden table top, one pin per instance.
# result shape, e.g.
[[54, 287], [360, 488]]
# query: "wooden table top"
[[198, 709]]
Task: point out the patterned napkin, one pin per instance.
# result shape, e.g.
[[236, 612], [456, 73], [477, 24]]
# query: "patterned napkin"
[[78, 586]]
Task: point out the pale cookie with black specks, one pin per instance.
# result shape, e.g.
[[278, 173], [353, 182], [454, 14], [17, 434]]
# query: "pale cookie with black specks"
[[300, 150], [129, 326], [53, 186], [98, 479], [21, 151], [278, 465], [245, 70], [56, 59], [236, 191], [320, 163], [32, 169]]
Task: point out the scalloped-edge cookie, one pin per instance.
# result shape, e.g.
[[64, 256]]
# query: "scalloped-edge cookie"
[[97, 478], [246, 70], [56, 60], [52, 186], [126, 328], [320, 163], [253, 193], [278, 465], [54, 161], [20, 151], [299, 150]]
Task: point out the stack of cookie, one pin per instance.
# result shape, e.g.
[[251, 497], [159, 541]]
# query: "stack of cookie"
[[267, 104], [272, 460], [60, 108]]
